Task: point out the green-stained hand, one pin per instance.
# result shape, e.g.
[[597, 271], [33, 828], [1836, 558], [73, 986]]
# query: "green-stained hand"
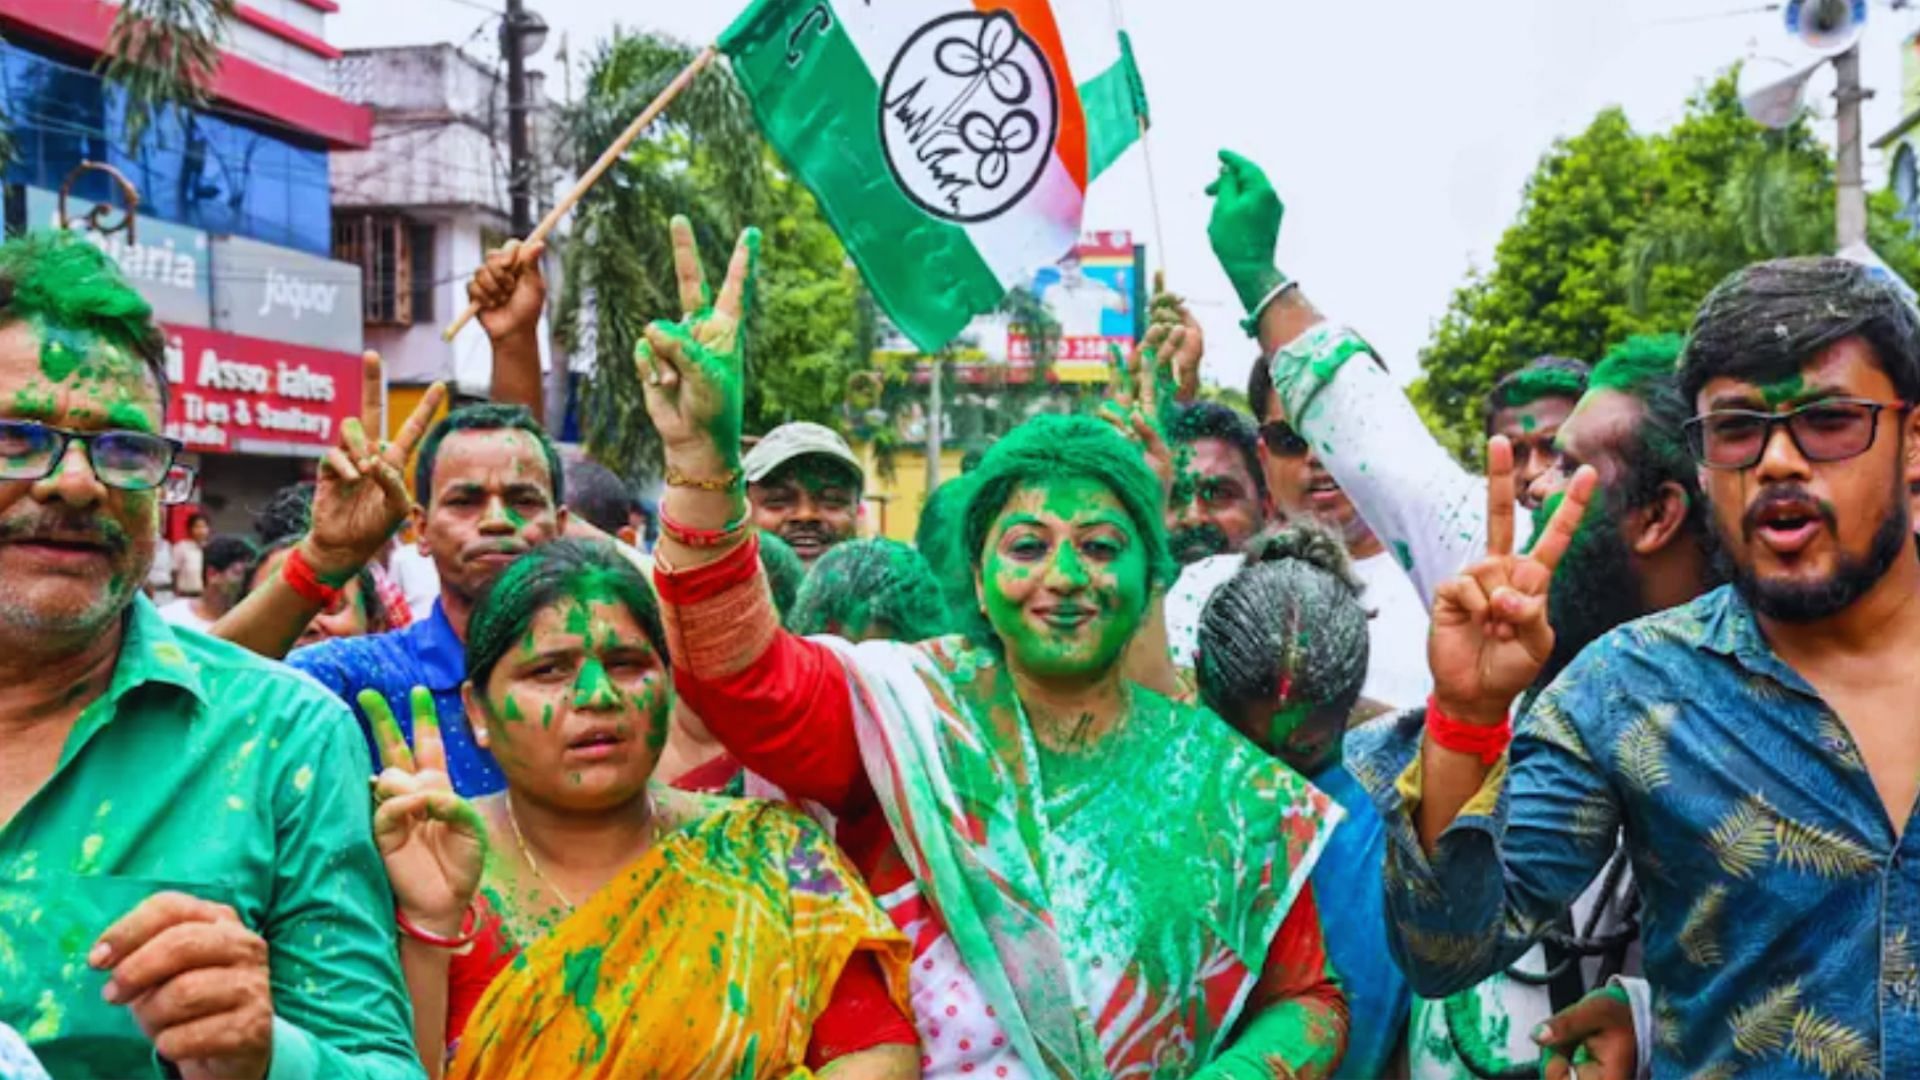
[[1592, 1039], [1175, 338], [1245, 228], [692, 371], [1134, 410], [432, 841]]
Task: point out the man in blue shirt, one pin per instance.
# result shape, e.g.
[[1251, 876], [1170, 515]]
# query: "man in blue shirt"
[[490, 486], [1759, 747]]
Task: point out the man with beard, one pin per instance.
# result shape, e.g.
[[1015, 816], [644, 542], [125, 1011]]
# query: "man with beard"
[[1220, 499], [135, 944], [1642, 546], [491, 484], [1759, 747], [1529, 406], [804, 486]]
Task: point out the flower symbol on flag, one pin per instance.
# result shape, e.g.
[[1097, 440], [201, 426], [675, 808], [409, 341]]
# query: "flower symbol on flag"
[[996, 143], [988, 58]]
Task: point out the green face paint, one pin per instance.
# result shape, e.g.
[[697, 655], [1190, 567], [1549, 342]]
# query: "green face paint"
[[1065, 578], [1786, 390]]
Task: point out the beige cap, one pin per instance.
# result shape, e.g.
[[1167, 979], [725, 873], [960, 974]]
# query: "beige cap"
[[797, 440]]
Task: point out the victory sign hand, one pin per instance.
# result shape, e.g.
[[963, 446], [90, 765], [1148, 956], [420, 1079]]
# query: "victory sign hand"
[[1245, 228], [692, 371], [1134, 409], [1490, 636], [1175, 336], [432, 841], [360, 496]]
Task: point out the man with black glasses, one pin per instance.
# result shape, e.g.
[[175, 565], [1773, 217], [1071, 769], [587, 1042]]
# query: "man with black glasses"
[[187, 866], [1759, 747]]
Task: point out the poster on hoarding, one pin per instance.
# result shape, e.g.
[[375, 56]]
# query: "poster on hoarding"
[[240, 395], [1091, 295]]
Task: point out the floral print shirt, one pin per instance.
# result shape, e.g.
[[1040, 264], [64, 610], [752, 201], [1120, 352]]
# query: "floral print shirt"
[[1780, 905]]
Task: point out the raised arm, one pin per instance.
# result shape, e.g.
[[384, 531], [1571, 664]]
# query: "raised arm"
[[512, 294], [1332, 388], [779, 704], [359, 500], [1487, 844]]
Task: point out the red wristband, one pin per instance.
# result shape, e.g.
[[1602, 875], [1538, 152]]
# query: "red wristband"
[[701, 538], [301, 579], [469, 929], [1484, 742]]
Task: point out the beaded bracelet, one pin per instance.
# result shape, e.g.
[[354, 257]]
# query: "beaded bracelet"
[[722, 485]]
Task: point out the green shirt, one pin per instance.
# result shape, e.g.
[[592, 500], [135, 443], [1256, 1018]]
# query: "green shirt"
[[208, 770]]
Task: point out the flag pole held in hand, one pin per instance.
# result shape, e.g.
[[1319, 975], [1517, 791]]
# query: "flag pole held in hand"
[[607, 157]]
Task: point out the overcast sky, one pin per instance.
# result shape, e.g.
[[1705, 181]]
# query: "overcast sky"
[[1399, 132]]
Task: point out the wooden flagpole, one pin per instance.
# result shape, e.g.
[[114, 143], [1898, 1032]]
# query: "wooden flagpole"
[[607, 157]]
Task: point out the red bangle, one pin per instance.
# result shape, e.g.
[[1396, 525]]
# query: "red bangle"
[[469, 929], [1484, 742], [301, 578], [701, 538]]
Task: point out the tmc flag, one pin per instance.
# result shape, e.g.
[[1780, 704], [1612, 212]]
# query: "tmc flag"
[[947, 140]]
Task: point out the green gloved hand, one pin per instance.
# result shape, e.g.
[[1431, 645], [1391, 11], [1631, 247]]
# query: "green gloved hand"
[[1245, 229]]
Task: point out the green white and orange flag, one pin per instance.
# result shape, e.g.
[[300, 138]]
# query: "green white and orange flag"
[[950, 142]]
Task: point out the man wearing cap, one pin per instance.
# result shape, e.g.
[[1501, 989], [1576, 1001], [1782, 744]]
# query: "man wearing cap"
[[804, 485]]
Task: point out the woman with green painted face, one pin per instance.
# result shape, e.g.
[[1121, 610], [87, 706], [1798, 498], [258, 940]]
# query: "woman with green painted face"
[[1097, 880], [588, 921]]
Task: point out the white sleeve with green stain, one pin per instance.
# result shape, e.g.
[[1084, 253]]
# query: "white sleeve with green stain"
[[1427, 510]]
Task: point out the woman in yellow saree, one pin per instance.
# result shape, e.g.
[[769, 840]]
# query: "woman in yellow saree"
[[586, 922]]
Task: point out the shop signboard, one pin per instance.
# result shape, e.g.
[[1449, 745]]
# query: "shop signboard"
[[243, 395], [168, 263], [280, 294]]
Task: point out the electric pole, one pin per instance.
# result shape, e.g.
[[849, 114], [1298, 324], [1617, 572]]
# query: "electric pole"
[[936, 423], [519, 155], [1850, 216]]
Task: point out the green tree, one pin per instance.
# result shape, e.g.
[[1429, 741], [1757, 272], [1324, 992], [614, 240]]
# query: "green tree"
[[161, 52], [1622, 233], [811, 328]]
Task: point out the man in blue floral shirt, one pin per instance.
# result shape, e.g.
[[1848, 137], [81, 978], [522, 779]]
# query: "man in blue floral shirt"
[[1759, 747]]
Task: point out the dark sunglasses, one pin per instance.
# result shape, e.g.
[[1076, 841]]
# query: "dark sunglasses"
[[1282, 439]]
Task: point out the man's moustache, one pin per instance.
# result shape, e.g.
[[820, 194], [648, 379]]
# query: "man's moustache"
[[97, 531]]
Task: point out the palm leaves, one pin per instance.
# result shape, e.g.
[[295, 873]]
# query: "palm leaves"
[[1699, 932], [1641, 753], [1831, 1047], [162, 53], [1763, 1026], [1740, 841], [1838, 741], [1820, 851]]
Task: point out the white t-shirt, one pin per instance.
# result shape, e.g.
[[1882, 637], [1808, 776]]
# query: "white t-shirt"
[[1397, 672], [180, 613], [417, 577], [1396, 634]]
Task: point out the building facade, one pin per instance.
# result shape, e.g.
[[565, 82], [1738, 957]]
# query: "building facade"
[[233, 237], [420, 206]]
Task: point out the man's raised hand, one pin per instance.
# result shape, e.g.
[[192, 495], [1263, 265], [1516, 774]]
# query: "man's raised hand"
[[1244, 229], [1490, 637], [360, 496], [692, 371]]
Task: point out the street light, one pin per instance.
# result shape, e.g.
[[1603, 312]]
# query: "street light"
[[528, 26]]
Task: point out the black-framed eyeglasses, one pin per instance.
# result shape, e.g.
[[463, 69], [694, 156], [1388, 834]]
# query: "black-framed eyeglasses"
[[126, 460], [1831, 430], [1282, 439]]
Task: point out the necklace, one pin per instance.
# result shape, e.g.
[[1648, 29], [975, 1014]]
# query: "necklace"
[[533, 864]]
